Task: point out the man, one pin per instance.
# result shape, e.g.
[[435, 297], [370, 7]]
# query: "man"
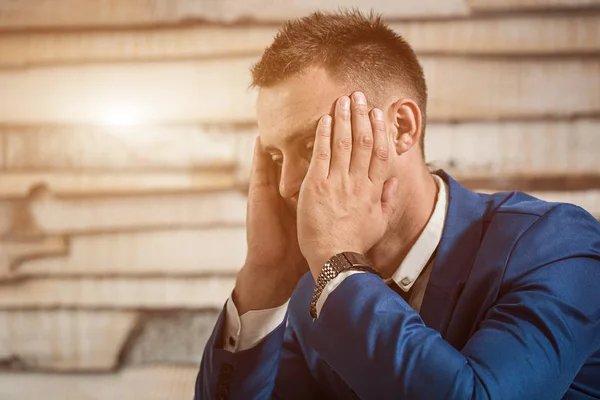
[[424, 289]]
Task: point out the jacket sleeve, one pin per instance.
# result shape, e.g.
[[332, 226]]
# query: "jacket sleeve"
[[274, 368], [531, 344]]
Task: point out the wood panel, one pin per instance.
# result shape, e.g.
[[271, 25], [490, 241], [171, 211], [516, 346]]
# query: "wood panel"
[[493, 89], [116, 147], [14, 251], [170, 92], [530, 35], [154, 342], [58, 216], [6, 217], [2, 148], [64, 340], [27, 48], [70, 13], [216, 91], [526, 35], [244, 155], [515, 148], [540, 5], [19, 185], [160, 382], [20, 224], [178, 252], [117, 293]]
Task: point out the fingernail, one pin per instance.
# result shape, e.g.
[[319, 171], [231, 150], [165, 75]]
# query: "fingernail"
[[326, 120], [345, 103], [378, 114], [359, 98]]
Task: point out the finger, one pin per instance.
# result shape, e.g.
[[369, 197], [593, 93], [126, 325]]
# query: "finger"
[[321, 158], [362, 135], [379, 167], [262, 172], [341, 143]]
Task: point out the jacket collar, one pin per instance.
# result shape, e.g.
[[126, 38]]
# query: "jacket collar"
[[455, 255]]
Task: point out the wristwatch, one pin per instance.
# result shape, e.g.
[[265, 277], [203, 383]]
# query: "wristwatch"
[[346, 261]]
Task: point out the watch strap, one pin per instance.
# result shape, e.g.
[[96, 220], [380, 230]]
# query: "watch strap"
[[346, 261]]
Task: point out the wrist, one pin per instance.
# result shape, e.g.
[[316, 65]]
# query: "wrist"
[[345, 261], [318, 260], [260, 288]]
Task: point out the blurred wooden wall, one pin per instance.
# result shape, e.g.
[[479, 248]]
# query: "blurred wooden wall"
[[118, 244]]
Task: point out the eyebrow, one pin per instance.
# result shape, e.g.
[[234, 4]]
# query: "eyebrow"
[[308, 130]]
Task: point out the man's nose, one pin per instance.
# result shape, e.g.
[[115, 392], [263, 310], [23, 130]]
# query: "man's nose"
[[290, 180]]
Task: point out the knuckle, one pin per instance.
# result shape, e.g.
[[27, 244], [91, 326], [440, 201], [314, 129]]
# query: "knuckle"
[[344, 144], [378, 126], [322, 154], [361, 110], [319, 187], [366, 141], [382, 154], [324, 132], [344, 115]]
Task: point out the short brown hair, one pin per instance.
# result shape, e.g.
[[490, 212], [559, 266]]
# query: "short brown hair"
[[360, 51]]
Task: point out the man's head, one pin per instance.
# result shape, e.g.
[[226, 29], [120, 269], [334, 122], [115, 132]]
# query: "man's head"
[[316, 59]]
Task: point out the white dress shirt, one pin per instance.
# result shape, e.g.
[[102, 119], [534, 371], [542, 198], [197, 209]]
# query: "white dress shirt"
[[245, 332]]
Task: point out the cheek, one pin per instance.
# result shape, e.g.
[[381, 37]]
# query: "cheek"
[[302, 166], [292, 205], [294, 168]]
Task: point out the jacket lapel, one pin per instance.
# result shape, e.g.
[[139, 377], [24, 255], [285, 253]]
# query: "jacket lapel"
[[455, 255]]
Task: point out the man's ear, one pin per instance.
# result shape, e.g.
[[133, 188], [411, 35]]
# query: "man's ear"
[[406, 125]]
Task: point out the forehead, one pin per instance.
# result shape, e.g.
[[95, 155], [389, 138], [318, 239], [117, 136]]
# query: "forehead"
[[295, 105]]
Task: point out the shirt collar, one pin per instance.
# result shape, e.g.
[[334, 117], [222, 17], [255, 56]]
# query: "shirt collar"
[[418, 256]]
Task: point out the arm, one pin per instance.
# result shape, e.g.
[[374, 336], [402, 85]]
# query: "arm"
[[272, 270], [533, 341], [530, 346], [244, 332], [248, 374], [274, 368]]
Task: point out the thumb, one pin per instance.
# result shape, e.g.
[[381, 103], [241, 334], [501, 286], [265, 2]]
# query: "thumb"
[[390, 187]]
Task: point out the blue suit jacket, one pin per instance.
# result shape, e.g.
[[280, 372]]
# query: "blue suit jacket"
[[511, 311]]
